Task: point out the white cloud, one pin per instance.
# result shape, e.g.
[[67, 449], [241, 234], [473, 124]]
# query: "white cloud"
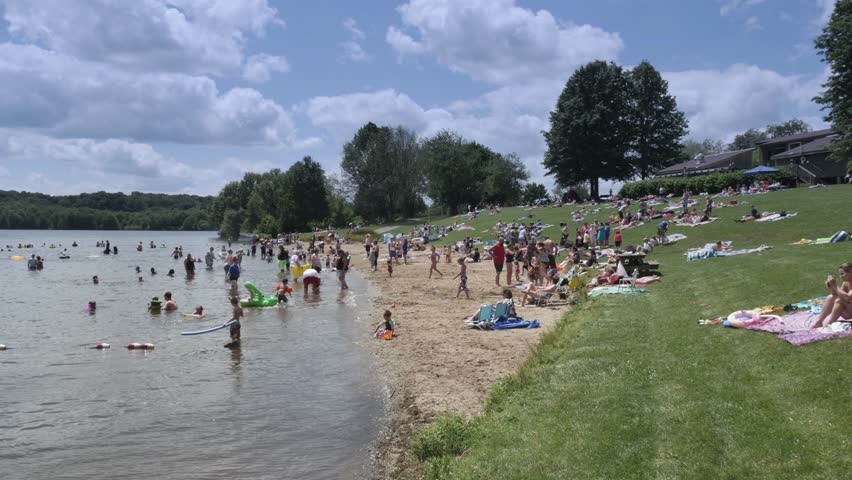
[[497, 41], [826, 9], [352, 27], [753, 23], [259, 68], [729, 6], [352, 48], [66, 97], [4, 172], [191, 36], [722, 103]]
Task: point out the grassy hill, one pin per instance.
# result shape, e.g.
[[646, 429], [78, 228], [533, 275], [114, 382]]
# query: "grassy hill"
[[631, 387]]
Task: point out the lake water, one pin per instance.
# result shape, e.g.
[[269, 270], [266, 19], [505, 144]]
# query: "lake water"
[[298, 400]]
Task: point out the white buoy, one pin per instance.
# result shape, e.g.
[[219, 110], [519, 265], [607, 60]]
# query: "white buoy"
[[102, 346], [2, 347]]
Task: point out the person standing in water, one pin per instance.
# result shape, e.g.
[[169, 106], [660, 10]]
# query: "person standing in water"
[[189, 265], [208, 258], [234, 331]]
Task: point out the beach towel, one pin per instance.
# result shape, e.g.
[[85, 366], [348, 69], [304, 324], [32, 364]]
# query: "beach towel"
[[632, 225], [505, 323], [701, 254], [813, 305], [775, 217], [712, 219], [600, 291], [675, 237], [795, 329], [642, 281]]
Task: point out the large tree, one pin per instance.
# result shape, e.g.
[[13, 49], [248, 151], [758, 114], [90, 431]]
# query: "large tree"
[[708, 146], [790, 127], [590, 130], [305, 196], [835, 47], [747, 139], [381, 171], [657, 124]]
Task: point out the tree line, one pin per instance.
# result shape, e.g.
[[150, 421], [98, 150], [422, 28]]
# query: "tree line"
[[104, 211]]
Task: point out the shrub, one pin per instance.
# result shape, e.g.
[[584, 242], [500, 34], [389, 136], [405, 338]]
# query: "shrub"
[[448, 435], [713, 183]]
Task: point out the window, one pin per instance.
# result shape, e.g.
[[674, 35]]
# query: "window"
[[793, 145]]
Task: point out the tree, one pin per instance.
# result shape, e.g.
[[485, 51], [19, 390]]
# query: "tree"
[[657, 124], [305, 198], [747, 139], [230, 227], [834, 45], [790, 127], [590, 130], [708, 146], [448, 163], [502, 177], [380, 165], [533, 192]]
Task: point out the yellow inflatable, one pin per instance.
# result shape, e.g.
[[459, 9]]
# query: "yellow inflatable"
[[298, 271], [17, 257]]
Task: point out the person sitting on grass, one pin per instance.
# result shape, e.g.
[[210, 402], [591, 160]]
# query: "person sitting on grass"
[[838, 305], [532, 291]]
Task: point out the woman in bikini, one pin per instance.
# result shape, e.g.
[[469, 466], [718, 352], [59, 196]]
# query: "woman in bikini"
[[838, 305]]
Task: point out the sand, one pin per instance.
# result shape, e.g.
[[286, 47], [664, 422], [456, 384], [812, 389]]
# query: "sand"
[[436, 364]]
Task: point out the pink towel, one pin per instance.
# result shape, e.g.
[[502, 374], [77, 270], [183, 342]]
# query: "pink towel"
[[794, 328]]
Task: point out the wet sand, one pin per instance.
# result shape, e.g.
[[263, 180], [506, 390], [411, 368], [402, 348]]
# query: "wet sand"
[[436, 364]]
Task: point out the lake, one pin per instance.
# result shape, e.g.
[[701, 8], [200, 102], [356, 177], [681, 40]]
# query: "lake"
[[300, 399]]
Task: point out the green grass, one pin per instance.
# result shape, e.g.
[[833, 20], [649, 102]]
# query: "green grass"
[[630, 387]]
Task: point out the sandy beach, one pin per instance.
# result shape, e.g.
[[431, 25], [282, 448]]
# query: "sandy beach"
[[436, 364]]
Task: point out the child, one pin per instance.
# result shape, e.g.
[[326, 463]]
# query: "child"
[[235, 328], [91, 307], [618, 239], [95, 280], [462, 276], [447, 254], [390, 267], [283, 290], [154, 306], [199, 311], [434, 257], [385, 326]]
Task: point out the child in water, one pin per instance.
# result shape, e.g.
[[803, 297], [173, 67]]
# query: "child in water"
[[91, 307], [283, 290], [235, 328], [199, 311], [155, 305]]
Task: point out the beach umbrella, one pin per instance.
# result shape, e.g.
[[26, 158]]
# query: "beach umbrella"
[[760, 169]]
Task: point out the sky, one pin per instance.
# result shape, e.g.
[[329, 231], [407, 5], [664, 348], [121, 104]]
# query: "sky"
[[183, 96]]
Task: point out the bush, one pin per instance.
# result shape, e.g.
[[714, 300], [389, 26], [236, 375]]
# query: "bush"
[[714, 183], [448, 435]]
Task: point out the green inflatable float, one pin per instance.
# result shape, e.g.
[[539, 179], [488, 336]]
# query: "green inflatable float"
[[257, 298]]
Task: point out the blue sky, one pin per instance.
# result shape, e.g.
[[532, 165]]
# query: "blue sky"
[[182, 96]]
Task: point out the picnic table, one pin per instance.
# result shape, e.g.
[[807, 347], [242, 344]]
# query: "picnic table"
[[633, 261]]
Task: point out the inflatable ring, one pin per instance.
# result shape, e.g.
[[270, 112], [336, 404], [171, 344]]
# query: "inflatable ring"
[[742, 319]]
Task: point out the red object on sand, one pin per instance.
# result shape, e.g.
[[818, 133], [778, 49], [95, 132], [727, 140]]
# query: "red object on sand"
[[393, 305]]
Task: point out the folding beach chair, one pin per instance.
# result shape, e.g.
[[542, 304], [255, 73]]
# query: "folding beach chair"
[[629, 282]]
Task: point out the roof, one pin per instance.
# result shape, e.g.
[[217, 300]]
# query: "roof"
[[799, 136], [819, 145], [709, 162]]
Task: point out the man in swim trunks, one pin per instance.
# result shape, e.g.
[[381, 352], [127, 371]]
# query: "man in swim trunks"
[[498, 255], [312, 282]]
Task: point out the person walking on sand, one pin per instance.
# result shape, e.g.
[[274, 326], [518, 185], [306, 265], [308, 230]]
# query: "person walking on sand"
[[433, 257], [462, 276]]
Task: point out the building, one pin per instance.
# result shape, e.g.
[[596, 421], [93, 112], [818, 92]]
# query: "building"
[[705, 164], [805, 154]]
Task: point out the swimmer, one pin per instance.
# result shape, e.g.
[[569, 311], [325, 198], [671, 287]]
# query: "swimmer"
[[153, 272], [95, 279], [199, 311], [171, 272], [283, 290], [91, 306], [141, 280], [171, 305], [138, 270]]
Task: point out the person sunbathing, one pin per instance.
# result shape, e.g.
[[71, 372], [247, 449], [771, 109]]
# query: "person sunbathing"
[[532, 291], [608, 277], [838, 305]]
